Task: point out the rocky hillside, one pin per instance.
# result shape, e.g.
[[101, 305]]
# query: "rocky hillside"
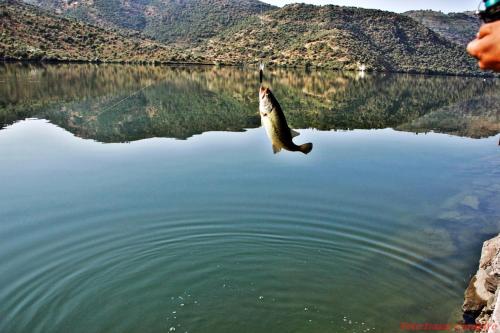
[[188, 21], [458, 27], [338, 38], [28, 33], [228, 32]]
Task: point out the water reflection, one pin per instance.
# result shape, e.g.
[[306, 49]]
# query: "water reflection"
[[175, 235], [274, 121], [113, 103]]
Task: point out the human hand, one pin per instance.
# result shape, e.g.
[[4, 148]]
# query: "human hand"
[[486, 47]]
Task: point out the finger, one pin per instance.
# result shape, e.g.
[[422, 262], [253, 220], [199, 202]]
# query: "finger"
[[496, 67], [477, 48], [489, 62], [485, 66], [484, 30], [473, 48]]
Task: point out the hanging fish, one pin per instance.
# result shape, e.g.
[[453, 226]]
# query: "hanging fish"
[[274, 121]]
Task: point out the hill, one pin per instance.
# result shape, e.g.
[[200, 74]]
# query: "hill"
[[338, 38], [28, 33], [180, 21], [458, 27], [228, 32]]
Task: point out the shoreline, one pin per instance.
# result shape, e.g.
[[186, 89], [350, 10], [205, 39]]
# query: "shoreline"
[[241, 65]]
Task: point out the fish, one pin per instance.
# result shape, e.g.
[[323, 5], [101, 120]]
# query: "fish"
[[277, 129]]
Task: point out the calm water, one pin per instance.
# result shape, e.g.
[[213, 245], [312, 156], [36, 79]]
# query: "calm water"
[[148, 199]]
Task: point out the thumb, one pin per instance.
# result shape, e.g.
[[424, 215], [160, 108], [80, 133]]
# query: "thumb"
[[484, 30]]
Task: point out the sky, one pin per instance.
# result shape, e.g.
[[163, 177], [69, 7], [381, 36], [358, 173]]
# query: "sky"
[[394, 5]]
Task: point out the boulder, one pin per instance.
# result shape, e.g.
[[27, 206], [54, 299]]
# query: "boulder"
[[482, 304]]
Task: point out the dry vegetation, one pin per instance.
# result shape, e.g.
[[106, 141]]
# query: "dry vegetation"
[[27, 33], [227, 32], [339, 38]]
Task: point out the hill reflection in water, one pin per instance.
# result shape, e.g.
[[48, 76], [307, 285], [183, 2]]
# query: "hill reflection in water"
[[116, 103]]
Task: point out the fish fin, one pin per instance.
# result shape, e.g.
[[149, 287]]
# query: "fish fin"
[[306, 148], [294, 133], [276, 149]]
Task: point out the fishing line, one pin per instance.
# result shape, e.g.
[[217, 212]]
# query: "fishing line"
[[261, 72], [261, 66], [124, 99]]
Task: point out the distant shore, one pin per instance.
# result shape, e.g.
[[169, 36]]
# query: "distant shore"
[[242, 65]]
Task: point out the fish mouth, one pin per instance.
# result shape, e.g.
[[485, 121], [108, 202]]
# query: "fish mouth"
[[262, 91]]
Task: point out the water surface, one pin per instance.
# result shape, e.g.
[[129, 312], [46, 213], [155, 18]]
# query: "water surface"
[[148, 199]]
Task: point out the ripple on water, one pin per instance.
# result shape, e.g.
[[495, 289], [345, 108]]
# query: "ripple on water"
[[247, 259]]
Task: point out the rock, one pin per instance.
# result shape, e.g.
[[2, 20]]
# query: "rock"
[[474, 302], [450, 215], [481, 296], [471, 202], [495, 318], [437, 241]]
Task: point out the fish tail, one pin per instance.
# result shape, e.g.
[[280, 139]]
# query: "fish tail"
[[306, 148]]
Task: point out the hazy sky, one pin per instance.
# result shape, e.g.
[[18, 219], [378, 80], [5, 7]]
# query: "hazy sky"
[[394, 5]]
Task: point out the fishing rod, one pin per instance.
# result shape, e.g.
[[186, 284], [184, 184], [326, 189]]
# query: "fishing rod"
[[261, 72], [491, 12]]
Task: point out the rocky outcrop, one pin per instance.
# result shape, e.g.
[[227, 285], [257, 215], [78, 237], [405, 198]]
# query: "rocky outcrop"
[[482, 304]]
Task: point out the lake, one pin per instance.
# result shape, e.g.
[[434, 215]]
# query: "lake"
[[149, 199]]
